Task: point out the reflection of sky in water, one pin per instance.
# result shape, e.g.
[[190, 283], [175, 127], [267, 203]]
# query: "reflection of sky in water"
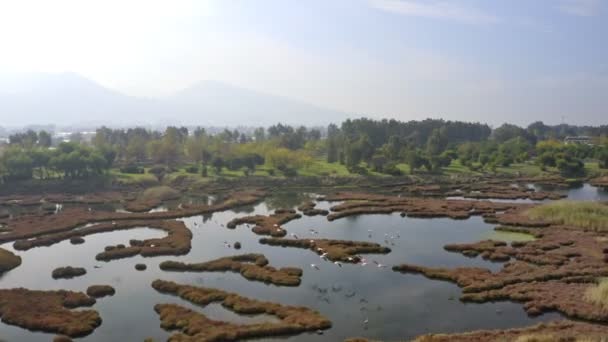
[[398, 306]]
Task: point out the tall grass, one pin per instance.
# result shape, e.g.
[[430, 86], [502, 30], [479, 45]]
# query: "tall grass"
[[581, 214], [598, 294]]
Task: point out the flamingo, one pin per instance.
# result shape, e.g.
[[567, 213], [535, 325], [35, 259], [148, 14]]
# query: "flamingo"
[[314, 266], [338, 263], [294, 236]]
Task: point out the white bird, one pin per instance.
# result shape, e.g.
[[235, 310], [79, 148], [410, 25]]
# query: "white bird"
[[319, 249], [294, 236], [113, 223], [363, 263], [338, 263], [366, 321], [369, 231], [90, 209], [275, 225], [314, 266], [324, 255], [350, 259], [381, 266], [180, 206]]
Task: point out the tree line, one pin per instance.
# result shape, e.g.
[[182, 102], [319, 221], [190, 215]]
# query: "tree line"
[[361, 145]]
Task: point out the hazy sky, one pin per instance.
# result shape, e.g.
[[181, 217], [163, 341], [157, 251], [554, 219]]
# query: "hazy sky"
[[492, 61]]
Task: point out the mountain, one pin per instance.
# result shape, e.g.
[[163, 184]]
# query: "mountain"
[[70, 99]]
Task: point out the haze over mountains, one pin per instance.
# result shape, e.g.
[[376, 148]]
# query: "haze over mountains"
[[69, 99]]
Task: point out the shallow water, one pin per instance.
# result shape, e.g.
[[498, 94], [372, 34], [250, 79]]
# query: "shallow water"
[[397, 306]]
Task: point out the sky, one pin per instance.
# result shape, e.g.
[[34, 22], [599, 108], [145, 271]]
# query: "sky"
[[474, 60]]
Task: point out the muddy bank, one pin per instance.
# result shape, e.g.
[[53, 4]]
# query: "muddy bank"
[[195, 326], [267, 225], [49, 311], [332, 250], [559, 331], [251, 266]]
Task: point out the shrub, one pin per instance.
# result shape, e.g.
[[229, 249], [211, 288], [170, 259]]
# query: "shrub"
[[133, 169], [391, 169], [191, 169], [357, 169]]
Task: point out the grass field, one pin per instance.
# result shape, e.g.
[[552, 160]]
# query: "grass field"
[[319, 167], [581, 214]]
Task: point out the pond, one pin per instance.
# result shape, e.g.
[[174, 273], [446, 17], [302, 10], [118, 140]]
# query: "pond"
[[396, 306]]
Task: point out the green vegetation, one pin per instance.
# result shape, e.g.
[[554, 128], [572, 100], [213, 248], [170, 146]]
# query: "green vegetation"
[[360, 147], [162, 193], [509, 236], [580, 214]]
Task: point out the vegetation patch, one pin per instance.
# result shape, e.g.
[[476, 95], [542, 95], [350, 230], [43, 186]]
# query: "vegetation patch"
[[578, 214], [333, 250], [49, 311], [250, 266], [50, 229], [195, 326], [267, 225], [68, 272], [8, 260], [598, 293], [557, 331], [152, 198], [308, 209], [367, 203], [551, 273], [98, 291]]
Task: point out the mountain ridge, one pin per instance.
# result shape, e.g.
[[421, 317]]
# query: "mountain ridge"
[[69, 99]]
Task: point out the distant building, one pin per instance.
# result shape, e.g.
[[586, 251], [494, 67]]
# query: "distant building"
[[581, 139]]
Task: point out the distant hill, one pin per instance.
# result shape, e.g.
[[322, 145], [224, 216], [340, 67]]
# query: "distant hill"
[[69, 99]]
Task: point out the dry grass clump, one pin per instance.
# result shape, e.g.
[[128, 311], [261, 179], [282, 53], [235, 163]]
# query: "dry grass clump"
[[598, 294], [8, 260], [579, 214], [250, 266], [195, 326], [48, 311]]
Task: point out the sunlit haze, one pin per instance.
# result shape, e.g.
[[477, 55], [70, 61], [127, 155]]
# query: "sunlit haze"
[[472, 60]]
